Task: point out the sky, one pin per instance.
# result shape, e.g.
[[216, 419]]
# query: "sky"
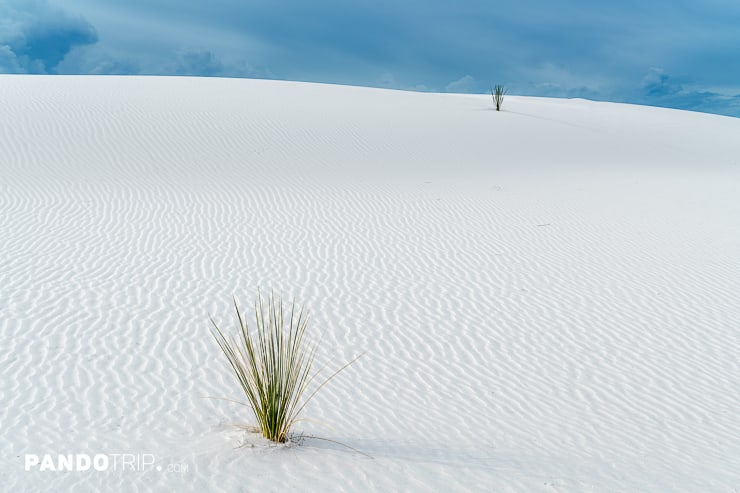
[[679, 54]]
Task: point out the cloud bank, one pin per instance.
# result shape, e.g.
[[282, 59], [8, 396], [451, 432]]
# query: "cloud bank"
[[36, 36], [660, 89]]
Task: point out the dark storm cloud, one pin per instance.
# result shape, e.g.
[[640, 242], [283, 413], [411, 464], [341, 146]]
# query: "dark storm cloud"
[[35, 36]]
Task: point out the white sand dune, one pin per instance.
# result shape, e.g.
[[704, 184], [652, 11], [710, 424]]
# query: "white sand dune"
[[547, 296]]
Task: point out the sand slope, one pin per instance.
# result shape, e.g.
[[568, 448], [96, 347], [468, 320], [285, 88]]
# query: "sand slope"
[[547, 296]]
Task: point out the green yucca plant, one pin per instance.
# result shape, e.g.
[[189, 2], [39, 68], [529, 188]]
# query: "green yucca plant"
[[497, 93], [273, 364]]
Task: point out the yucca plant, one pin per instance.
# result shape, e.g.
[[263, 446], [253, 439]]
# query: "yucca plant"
[[273, 364], [497, 93]]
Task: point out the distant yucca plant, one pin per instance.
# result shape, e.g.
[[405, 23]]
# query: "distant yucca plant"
[[272, 365], [497, 92]]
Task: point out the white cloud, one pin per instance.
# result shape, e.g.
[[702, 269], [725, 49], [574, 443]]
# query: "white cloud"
[[549, 79], [387, 80], [462, 85]]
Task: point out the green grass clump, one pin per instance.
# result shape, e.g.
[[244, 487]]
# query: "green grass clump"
[[497, 93], [272, 364]]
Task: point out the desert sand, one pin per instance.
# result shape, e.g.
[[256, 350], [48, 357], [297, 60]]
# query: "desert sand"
[[546, 297]]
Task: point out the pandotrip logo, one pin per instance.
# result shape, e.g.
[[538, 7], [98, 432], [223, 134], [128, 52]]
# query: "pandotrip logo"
[[120, 462]]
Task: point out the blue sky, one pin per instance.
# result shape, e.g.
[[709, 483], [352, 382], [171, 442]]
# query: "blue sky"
[[681, 54]]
